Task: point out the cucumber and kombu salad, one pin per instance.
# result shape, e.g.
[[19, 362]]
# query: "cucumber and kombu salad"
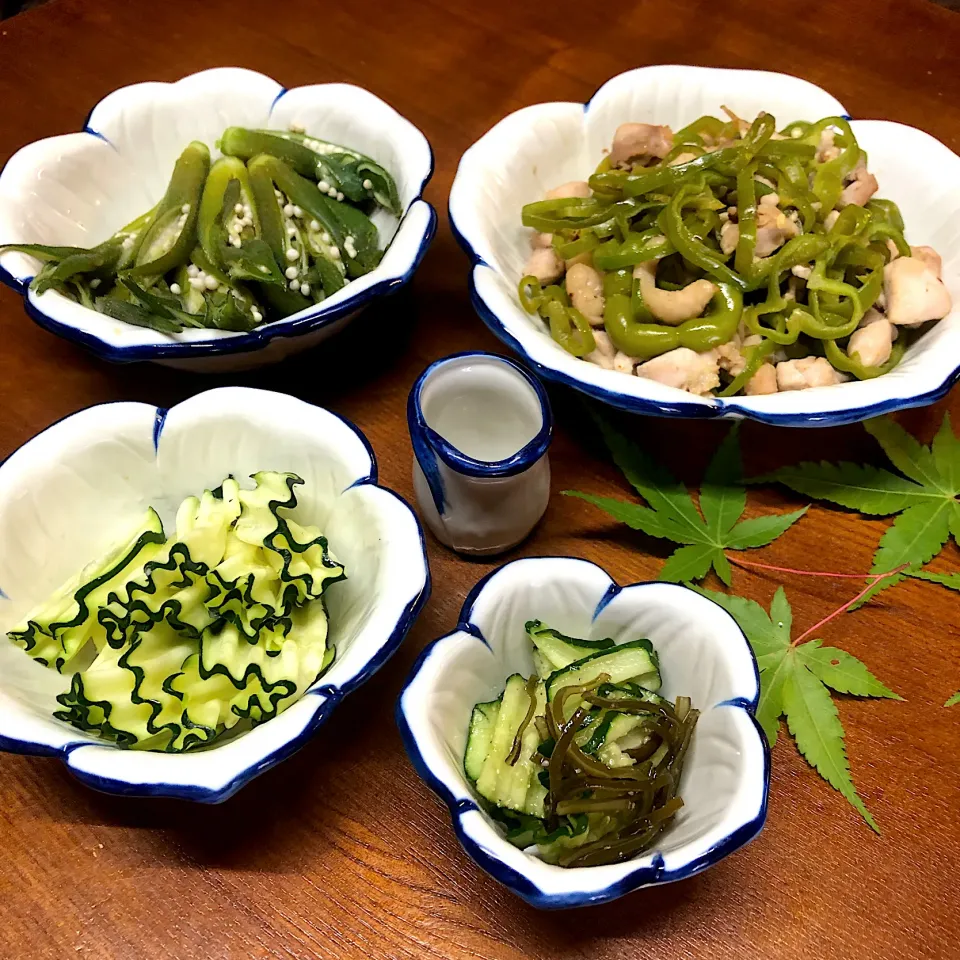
[[583, 759], [172, 641], [278, 223]]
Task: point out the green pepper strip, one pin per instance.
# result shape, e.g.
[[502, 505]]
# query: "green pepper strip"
[[160, 252], [886, 211], [636, 248], [828, 178], [853, 364], [568, 249], [569, 327], [531, 293], [691, 249], [552, 216], [757, 355], [646, 340], [889, 231], [746, 219]]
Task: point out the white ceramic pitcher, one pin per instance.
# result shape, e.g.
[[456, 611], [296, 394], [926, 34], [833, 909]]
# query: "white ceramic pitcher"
[[480, 427]]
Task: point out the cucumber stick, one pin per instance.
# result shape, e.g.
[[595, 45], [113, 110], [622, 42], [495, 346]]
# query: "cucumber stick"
[[514, 786], [634, 661], [482, 721], [560, 650], [189, 635]]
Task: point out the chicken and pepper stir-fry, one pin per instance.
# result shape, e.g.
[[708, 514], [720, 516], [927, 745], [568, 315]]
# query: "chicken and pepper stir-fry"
[[730, 258]]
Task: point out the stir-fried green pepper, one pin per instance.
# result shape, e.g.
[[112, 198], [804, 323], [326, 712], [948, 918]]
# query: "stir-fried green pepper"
[[804, 268]]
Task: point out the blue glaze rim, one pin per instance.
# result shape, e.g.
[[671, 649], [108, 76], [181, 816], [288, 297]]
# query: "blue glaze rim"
[[428, 444], [718, 407], [330, 694], [254, 340], [647, 874]]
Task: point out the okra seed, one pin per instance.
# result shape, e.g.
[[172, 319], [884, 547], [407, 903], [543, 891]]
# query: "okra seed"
[[340, 196], [185, 208], [235, 241], [294, 284], [315, 226], [335, 253], [196, 283], [297, 212], [288, 210], [192, 270], [278, 194], [174, 289], [367, 184], [291, 231], [257, 315], [292, 254], [325, 237], [324, 186], [94, 283], [305, 289], [211, 282], [238, 208], [291, 272]]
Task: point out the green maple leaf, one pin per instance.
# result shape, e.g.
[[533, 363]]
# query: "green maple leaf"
[[923, 495], [672, 515], [795, 682]]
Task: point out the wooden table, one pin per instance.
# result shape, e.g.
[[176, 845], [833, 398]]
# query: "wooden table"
[[342, 851]]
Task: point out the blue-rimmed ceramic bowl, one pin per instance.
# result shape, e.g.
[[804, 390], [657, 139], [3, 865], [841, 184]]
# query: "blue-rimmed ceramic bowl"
[[703, 655], [480, 426], [66, 494], [80, 188], [541, 146]]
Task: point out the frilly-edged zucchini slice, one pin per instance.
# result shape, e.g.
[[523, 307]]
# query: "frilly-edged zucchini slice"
[[56, 631], [199, 633]]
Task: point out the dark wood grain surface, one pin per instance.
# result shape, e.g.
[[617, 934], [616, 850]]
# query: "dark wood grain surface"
[[341, 851]]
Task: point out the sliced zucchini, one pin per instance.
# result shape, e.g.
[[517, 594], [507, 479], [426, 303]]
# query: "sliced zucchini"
[[57, 630], [558, 649], [190, 636]]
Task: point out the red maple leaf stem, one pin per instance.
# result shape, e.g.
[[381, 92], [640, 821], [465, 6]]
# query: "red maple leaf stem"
[[836, 613], [749, 564]]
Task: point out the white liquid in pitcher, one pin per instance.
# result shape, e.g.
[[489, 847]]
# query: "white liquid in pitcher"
[[488, 415]]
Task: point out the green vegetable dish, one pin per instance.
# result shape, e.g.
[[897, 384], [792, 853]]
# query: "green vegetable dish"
[[730, 258], [172, 641], [583, 759], [277, 224]]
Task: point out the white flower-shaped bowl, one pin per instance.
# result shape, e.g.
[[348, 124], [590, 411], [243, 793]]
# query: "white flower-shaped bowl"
[[541, 146], [703, 655], [80, 188], [67, 494]]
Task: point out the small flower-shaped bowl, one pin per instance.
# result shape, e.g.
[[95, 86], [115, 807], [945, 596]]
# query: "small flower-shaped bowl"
[[67, 494], [80, 188], [703, 655], [541, 146]]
